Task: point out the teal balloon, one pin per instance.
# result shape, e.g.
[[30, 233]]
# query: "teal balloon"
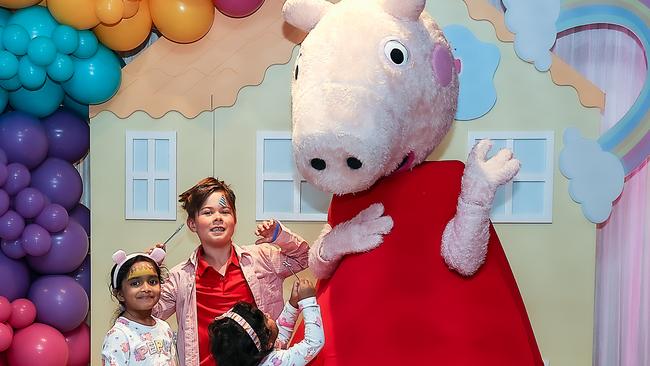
[[41, 51], [61, 69], [4, 99], [31, 76], [8, 65], [11, 84], [15, 39], [4, 16], [96, 79], [66, 39], [41, 102], [87, 44], [36, 20], [81, 109]]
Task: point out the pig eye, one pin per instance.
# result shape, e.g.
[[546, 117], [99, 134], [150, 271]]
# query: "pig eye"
[[396, 52]]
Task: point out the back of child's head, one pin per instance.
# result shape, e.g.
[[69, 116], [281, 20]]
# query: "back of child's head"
[[231, 345], [192, 199]]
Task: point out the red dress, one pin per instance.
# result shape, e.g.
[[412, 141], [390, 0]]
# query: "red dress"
[[400, 304]]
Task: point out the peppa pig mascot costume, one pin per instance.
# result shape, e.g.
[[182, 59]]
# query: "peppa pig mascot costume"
[[411, 271]]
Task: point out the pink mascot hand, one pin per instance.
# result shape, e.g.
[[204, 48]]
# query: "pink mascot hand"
[[362, 233], [482, 177]]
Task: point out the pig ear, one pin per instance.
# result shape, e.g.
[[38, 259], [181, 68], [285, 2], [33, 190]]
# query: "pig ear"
[[158, 255], [119, 257], [403, 9], [305, 14]]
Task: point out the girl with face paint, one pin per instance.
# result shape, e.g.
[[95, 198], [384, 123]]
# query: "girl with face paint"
[[138, 338]]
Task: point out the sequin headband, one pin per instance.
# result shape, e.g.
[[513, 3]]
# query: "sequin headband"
[[244, 324], [120, 257]]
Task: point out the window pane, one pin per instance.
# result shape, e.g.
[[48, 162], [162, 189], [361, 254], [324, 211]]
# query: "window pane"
[[499, 205], [161, 195], [496, 146], [140, 155], [278, 157], [528, 198], [162, 155], [313, 200], [278, 196], [140, 201], [532, 154]]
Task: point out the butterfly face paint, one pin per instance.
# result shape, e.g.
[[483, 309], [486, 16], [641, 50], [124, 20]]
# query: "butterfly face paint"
[[141, 269]]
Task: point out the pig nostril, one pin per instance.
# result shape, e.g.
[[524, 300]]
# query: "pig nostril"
[[354, 163], [318, 164]]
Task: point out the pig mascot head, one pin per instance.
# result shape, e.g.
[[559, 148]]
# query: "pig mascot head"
[[368, 100]]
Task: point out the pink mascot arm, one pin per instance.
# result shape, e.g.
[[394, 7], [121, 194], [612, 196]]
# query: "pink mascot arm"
[[464, 241], [362, 233]]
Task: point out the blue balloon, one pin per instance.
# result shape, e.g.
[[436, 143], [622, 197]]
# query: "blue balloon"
[[8, 65], [15, 39], [12, 83], [61, 69], [87, 44], [66, 39], [40, 102], [96, 79], [31, 76], [79, 108], [4, 16], [36, 20], [41, 50], [4, 99]]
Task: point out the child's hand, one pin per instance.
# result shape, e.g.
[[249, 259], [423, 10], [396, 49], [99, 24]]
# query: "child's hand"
[[157, 245], [268, 230], [293, 300], [305, 289]]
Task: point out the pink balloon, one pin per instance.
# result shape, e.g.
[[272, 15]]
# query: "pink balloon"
[[5, 309], [38, 344], [237, 8], [6, 336], [23, 313], [78, 341]]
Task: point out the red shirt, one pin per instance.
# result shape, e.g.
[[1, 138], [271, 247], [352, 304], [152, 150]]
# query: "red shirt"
[[216, 294]]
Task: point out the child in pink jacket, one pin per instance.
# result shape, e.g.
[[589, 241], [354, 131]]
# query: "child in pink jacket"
[[218, 274]]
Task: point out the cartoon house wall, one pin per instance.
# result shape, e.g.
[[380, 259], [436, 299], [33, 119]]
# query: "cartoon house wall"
[[553, 261]]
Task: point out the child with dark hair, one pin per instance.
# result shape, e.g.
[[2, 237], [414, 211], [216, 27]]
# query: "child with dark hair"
[[218, 273], [138, 338], [245, 336]]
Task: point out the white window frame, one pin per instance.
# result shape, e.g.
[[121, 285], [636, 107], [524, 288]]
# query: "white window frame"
[[295, 177], [546, 177], [150, 175]]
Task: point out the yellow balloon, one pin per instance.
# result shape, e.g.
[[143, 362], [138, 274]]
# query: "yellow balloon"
[[128, 33], [109, 11], [130, 8], [79, 14], [18, 4], [182, 21]]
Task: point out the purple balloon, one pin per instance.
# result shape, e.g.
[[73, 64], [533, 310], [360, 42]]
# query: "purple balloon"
[[82, 275], [4, 202], [3, 157], [36, 240], [13, 248], [69, 248], [58, 180], [15, 278], [81, 214], [18, 177], [29, 202], [54, 218], [60, 302], [4, 173], [23, 138], [11, 225], [67, 134]]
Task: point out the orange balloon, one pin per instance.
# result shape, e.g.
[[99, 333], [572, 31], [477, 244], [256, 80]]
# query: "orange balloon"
[[17, 4], [130, 8], [109, 11], [79, 14], [182, 21], [128, 33]]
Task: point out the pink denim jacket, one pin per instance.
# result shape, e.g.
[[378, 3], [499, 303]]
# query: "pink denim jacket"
[[263, 269]]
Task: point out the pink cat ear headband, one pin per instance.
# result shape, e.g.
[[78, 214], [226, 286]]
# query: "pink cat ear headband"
[[120, 257], [244, 324]]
